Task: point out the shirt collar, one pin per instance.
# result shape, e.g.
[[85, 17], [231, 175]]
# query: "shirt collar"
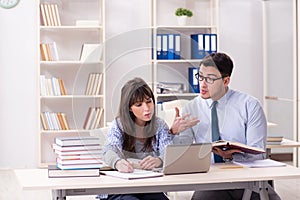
[[222, 100]]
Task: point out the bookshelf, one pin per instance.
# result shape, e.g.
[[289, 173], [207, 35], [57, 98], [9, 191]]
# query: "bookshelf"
[[164, 22], [71, 49]]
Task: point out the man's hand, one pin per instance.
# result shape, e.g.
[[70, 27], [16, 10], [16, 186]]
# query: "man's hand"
[[124, 166], [182, 123], [225, 154]]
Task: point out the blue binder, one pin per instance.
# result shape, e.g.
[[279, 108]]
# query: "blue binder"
[[177, 46], [213, 43], [193, 82], [164, 46], [197, 46], [207, 44], [171, 47], [158, 46]]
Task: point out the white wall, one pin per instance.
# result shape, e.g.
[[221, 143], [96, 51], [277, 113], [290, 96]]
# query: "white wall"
[[18, 86], [240, 36]]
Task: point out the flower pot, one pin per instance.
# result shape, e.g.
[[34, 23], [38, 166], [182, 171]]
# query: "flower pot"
[[182, 20]]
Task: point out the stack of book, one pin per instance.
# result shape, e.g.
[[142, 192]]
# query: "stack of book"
[[274, 139], [77, 153]]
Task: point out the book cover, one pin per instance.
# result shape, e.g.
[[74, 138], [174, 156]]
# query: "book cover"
[[80, 166], [79, 161], [77, 141], [136, 174], [55, 172], [90, 152], [76, 148], [225, 145], [91, 53]]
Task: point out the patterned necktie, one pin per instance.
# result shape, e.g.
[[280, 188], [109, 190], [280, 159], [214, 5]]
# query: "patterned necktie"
[[215, 129]]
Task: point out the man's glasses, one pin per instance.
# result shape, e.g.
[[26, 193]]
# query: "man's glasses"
[[207, 79]]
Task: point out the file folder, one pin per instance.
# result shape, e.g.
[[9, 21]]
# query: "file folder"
[[213, 43], [170, 46], [164, 46], [197, 46], [207, 44], [158, 47], [177, 46], [193, 82]]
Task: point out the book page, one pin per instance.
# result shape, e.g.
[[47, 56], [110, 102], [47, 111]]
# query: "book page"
[[261, 163]]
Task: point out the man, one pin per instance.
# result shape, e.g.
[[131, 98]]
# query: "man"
[[223, 114]]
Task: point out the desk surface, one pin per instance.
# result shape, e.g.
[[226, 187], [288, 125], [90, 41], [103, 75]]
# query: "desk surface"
[[37, 179], [286, 143]]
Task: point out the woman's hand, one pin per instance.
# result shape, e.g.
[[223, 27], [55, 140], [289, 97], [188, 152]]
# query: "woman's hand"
[[123, 165], [150, 162], [182, 123]]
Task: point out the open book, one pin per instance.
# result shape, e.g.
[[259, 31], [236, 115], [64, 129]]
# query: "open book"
[[225, 145]]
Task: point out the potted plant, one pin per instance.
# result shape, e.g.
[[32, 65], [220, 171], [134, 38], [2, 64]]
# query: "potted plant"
[[182, 14]]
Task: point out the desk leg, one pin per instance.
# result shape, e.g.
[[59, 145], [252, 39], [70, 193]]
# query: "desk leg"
[[247, 194], [268, 153], [59, 195], [263, 190]]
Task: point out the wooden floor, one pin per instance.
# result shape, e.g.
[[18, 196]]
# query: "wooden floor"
[[10, 190]]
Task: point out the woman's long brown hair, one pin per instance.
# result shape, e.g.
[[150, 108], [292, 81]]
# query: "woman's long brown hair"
[[135, 90]]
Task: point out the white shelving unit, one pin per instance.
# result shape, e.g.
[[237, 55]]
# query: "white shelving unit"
[[164, 21], [69, 38]]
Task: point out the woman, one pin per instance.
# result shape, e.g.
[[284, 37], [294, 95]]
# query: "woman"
[[136, 133]]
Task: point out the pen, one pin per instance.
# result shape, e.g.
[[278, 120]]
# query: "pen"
[[120, 152]]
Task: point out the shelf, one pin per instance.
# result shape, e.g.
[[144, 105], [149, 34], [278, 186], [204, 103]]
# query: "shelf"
[[72, 28], [165, 28], [67, 74], [178, 95], [77, 62], [178, 61], [72, 96]]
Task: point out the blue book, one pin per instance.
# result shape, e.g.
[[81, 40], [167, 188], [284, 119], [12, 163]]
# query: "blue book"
[[193, 82], [197, 46], [177, 46]]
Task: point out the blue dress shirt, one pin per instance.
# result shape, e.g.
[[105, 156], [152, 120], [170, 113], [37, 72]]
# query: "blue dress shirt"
[[241, 119]]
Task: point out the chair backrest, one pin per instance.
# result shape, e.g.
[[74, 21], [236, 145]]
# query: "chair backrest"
[[169, 109], [100, 133]]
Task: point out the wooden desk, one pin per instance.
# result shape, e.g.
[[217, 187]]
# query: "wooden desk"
[[286, 143], [251, 179]]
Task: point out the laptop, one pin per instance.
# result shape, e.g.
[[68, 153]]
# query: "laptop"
[[183, 158]]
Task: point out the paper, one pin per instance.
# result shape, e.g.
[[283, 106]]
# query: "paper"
[[136, 174], [261, 163]]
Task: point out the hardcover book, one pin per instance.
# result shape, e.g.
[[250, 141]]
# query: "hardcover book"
[[55, 172], [226, 145]]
